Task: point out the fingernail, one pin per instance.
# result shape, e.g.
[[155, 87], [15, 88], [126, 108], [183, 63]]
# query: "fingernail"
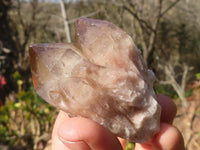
[[77, 145]]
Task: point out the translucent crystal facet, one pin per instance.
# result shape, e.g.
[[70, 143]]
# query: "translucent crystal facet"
[[101, 76]]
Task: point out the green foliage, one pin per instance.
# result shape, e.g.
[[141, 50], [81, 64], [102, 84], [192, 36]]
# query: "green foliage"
[[198, 111], [5, 131], [130, 146], [165, 90], [197, 76], [38, 22], [34, 106], [17, 76], [29, 116], [188, 93]]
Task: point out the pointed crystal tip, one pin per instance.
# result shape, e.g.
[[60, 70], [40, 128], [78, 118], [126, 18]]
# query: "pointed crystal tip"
[[102, 76]]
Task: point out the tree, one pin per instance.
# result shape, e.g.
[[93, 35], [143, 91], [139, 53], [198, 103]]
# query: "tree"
[[145, 26], [65, 19]]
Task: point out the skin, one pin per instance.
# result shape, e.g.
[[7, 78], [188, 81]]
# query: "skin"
[[84, 134]]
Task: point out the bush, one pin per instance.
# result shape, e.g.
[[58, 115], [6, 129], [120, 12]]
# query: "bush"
[[165, 90], [22, 123]]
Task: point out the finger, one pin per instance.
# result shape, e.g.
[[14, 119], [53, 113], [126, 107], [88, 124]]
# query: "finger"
[[168, 109], [56, 142], [84, 134], [122, 142], [169, 138]]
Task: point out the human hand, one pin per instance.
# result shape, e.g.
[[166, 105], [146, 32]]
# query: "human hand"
[[83, 134]]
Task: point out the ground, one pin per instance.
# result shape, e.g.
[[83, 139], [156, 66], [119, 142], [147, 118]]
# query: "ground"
[[188, 119]]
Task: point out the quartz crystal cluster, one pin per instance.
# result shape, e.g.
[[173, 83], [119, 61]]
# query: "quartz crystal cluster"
[[102, 76]]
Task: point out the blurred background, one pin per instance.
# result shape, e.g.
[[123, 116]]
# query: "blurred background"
[[166, 31]]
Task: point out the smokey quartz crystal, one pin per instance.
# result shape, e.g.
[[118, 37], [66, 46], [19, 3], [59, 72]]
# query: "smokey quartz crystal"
[[101, 76]]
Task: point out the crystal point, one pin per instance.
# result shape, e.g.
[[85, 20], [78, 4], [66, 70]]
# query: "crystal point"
[[101, 76]]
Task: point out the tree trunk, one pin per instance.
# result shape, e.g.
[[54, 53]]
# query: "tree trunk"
[[66, 24]]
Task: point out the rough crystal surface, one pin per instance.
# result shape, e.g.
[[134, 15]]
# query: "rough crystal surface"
[[101, 76]]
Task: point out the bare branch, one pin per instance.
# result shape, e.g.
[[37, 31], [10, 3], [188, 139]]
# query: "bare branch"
[[171, 80], [141, 21], [165, 82], [19, 13], [65, 21], [85, 16], [170, 7], [185, 72]]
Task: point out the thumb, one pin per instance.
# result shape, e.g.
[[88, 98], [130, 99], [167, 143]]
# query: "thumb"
[[84, 134]]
